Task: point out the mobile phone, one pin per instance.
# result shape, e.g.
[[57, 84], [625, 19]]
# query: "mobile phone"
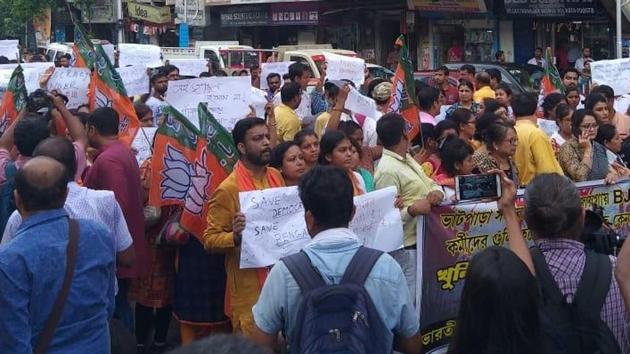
[[474, 187]]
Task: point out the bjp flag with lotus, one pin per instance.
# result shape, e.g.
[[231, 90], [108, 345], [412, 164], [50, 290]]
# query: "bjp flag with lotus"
[[403, 99], [189, 163], [14, 99]]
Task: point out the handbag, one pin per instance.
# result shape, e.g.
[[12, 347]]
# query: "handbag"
[[53, 320]]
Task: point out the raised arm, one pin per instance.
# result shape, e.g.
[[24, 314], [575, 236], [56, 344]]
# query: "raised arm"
[[75, 128]]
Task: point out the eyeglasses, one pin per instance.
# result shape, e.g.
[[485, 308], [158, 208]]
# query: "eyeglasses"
[[513, 141], [589, 126]]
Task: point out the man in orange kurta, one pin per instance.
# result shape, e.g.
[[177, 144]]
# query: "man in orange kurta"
[[225, 222]]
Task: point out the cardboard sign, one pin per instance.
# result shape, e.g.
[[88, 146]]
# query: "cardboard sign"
[[614, 73], [135, 79], [73, 83], [139, 54], [190, 67], [281, 68], [341, 67]]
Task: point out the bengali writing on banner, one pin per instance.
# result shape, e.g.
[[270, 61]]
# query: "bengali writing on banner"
[[276, 227], [451, 234]]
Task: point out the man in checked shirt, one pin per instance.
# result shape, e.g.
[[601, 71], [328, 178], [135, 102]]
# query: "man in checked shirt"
[[555, 216]]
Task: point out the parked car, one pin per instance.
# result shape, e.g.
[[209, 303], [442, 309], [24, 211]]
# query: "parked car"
[[506, 77], [379, 72]]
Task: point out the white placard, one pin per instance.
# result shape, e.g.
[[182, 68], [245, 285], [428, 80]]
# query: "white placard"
[[32, 74], [135, 79], [259, 101], [109, 51], [341, 67], [376, 221], [190, 67], [228, 98], [275, 225], [614, 73], [142, 143], [357, 103], [139, 54], [9, 49], [73, 83], [281, 68]]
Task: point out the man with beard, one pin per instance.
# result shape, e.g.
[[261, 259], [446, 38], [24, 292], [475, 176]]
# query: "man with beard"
[[226, 222], [159, 84], [273, 82]]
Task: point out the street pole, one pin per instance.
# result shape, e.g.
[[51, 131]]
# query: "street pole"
[[618, 25], [119, 21]]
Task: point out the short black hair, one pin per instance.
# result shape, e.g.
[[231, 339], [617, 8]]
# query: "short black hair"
[[562, 110], [461, 116], [38, 193], [331, 90], [272, 75], [593, 99], [205, 74], [496, 132], [523, 104], [243, 126], [349, 127], [30, 131], [168, 68], [444, 69], [390, 129], [605, 90], [277, 154], [570, 70], [468, 68], [454, 150], [443, 126], [158, 74], [290, 91], [61, 150], [297, 69], [490, 104], [484, 122], [302, 134], [505, 87], [577, 118], [498, 54], [551, 101], [427, 96], [105, 120], [222, 344], [326, 191], [605, 133], [221, 73], [494, 74], [4, 60]]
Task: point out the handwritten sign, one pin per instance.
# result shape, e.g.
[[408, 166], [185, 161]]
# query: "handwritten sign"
[[142, 143], [32, 74], [9, 49], [341, 67], [281, 68], [614, 73], [139, 54], [276, 228], [357, 103], [135, 79], [376, 220], [228, 98], [72, 82], [190, 67]]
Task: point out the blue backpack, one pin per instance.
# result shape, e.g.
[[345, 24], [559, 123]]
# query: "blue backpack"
[[337, 318], [7, 198]]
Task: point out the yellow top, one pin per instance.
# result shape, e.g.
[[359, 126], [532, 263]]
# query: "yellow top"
[[243, 284], [534, 154], [484, 92], [287, 122], [321, 122], [411, 182]]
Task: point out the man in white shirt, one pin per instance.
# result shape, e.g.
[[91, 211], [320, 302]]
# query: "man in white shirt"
[[159, 86], [301, 74], [538, 58], [586, 55], [82, 203]]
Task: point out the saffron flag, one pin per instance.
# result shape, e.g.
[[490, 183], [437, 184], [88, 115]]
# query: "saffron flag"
[[14, 99], [551, 81], [83, 49], [189, 164], [107, 90], [403, 99]]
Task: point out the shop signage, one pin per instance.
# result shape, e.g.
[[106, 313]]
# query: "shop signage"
[[149, 13], [193, 12], [101, 11], [295, 14], [255, 15], [477, 6], [551, 8]]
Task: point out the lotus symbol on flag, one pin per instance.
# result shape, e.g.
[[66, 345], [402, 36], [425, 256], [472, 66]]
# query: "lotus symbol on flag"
[[102, 100], [185, 181]]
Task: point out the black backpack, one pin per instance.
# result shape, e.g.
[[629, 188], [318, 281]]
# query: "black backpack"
[[576, 327], [336, 318]]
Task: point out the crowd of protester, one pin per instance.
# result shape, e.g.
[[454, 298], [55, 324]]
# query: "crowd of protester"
[[85, 183]]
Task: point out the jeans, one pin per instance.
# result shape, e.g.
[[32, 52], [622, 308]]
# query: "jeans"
[[407, 260], [123, 310]]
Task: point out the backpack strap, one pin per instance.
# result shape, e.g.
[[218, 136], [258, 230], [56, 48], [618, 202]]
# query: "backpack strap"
[[361, 265], [594, 284], [548, 286], [302, 270]]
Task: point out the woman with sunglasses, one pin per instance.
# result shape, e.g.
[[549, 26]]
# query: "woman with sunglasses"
[[581, 157]]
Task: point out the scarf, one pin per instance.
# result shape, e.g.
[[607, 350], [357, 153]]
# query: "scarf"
[[600, 165], [245, 183]]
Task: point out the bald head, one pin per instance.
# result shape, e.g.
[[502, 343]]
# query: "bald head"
[[40, 185], [61, 150], [483, 79]]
